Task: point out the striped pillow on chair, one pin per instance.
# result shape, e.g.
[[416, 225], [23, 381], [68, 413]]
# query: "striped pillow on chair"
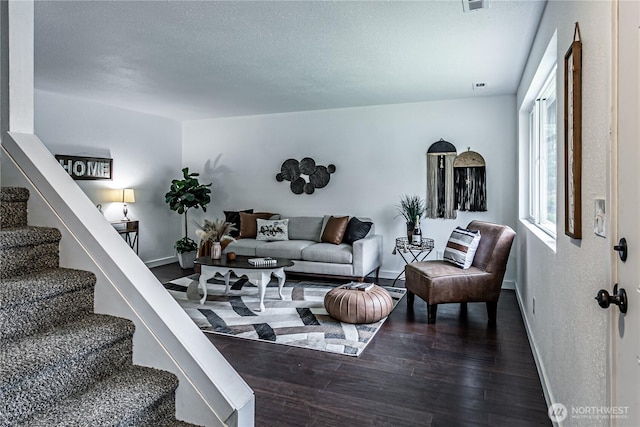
[[461, 247]]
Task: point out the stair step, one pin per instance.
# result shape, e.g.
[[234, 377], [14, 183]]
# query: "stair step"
[[61, 364], [137, 396], [41, 369], [14, 194], [39, 301], [25, 250], [13, 206]]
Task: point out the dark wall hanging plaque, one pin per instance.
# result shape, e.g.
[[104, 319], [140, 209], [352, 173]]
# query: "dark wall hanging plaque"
[[297, 172], [86, 168]]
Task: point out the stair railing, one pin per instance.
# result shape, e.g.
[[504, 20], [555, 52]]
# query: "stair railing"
[[211, 392]]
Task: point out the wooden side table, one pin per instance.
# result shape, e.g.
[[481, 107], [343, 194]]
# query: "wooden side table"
[[129, 229], [411, 253]]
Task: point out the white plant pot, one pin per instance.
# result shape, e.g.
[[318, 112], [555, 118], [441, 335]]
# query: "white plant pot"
[[186, 259]]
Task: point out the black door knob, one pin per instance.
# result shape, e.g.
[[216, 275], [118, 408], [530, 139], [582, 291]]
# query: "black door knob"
[[618, 298], [621, 248]]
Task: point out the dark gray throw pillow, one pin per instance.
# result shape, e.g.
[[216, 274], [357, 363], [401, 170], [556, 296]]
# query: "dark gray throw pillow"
[[356, 230], [234, 218]]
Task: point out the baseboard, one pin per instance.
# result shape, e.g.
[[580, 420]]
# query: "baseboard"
[[509, 284], [548, 394], [388, 274], [161, 261]]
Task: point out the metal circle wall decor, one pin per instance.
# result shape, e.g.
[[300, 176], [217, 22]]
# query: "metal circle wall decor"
[[295, 172]]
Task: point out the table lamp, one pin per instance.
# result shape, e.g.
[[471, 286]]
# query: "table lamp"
[[128, 196]]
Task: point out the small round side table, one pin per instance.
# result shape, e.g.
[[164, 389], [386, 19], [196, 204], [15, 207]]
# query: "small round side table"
[[414, 253]]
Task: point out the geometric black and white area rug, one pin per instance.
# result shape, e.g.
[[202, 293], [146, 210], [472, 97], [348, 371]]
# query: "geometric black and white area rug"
[[299, 319]]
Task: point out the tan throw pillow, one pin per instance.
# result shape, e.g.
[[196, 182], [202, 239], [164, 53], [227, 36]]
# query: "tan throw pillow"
[[248, 224], [334, 230]]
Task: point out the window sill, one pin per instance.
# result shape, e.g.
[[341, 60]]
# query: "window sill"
[[541, 235]]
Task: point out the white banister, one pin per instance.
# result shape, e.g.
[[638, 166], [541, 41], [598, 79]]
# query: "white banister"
[[211, 392]]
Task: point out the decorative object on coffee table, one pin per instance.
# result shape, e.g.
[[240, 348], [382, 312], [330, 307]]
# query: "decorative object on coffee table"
[[352, 305], [440, 181], [215, 233], [216, 250], [295, 172]]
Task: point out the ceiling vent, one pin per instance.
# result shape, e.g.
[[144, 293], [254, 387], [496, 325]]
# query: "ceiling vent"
[[471, 5], [479, 86]]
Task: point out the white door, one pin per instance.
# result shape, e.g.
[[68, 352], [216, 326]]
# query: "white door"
[[625, 333]]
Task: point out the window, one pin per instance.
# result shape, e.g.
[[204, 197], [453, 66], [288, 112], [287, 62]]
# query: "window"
[[543, 157]]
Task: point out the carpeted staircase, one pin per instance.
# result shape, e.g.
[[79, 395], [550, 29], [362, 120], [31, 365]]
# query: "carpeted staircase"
[[60, 363]]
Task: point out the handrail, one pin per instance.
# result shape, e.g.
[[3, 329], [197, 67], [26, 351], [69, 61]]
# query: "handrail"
[[218, 385]]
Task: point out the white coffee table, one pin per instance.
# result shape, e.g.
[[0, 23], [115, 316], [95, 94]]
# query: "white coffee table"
[[259, 275]]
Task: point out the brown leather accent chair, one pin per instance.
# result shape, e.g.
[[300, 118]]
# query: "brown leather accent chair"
[[439, 282]]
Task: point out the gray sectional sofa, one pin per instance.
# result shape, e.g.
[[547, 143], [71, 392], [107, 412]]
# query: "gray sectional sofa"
[[312, 256]]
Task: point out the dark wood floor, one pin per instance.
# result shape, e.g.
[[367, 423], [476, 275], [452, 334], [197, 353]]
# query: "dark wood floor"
[[458, 372]]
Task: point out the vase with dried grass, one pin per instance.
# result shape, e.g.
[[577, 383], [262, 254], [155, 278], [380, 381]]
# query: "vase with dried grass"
[[213, 236]]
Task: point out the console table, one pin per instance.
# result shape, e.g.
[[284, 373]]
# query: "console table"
[[128, 229], [411, 253]]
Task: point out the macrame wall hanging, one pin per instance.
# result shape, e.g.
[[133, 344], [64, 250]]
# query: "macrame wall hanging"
[[470, 182], [440, 180]]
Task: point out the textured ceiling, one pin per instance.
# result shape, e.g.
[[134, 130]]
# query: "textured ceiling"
[[205, 59]]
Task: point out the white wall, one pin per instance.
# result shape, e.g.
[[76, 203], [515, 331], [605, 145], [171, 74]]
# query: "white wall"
[[568, 330], [146, 152], [379, 153]]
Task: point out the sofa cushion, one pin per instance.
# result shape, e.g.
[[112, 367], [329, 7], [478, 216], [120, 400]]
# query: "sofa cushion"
[[234, 218], [248, 225], [356, 230], [272, 230], [246, 247], [305, 228], [328, 252], [290, 249], [334, 229]]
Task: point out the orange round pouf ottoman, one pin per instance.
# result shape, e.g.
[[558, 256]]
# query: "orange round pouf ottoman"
[[357, 306]]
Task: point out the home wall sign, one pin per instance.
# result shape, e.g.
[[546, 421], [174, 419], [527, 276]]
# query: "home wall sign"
[[305, 176], [86, 168]]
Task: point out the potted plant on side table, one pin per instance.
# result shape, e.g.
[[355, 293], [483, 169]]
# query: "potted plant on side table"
[[411, 207], [184, 194]]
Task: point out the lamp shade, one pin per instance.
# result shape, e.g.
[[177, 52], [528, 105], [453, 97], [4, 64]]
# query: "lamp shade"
[[128, 195]]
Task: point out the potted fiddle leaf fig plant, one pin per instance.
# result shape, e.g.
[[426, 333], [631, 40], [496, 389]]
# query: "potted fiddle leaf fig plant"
[[185, 194]]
